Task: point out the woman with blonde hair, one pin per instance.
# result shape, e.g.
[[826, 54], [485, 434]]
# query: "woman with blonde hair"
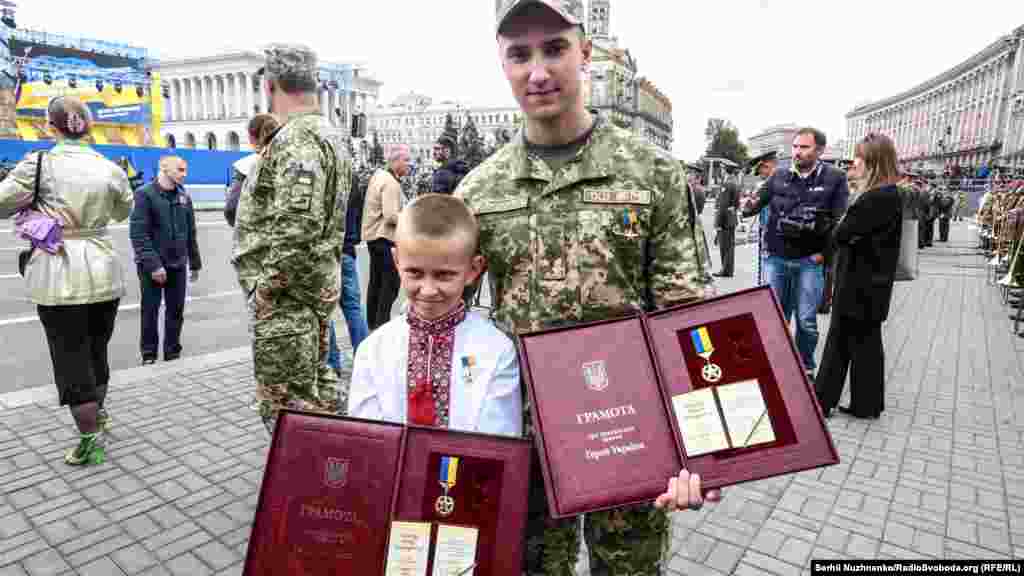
[[867, 242], [74, 278], [261, 129]]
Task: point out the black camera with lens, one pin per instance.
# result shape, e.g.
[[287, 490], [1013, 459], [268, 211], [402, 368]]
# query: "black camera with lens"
[[805, 222]]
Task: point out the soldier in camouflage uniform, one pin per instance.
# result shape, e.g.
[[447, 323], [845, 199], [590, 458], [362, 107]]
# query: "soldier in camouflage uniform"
[[579, 220], [290, 229]]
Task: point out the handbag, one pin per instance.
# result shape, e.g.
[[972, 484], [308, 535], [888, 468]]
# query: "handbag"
[[906, 265], [25, 255]]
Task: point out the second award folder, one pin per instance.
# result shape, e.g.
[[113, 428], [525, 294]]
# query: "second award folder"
[[350, 496], [717, 387]]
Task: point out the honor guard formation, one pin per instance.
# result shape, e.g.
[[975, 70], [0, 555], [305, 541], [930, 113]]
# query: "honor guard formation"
[[545, 358]]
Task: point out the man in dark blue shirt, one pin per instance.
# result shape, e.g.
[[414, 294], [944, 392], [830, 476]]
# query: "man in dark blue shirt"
[[805, 200], [163, 235]]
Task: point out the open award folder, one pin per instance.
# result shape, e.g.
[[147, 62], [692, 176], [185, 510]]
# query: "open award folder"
[[717, 387], [350, 496]]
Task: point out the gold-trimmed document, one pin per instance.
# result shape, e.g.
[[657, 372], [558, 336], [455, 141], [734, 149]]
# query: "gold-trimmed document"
[[408, 549], [745, 413], [455, 550], [700, 422]]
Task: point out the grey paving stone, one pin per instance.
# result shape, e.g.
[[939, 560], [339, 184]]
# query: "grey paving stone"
[[218, 556], [45, 563], [20, 547], [134, 559], [12, 570], [53, 488], [696, 546], [724, 557], [186, 565], [13, 524], [101, 548], [140, 527], [235, 570], [237, 536], [994, 539], [861, 547], [24, 498], [768, 541], [168, 516], [833, 538], [796, 551], [189, 542], [767, 564], [101, 567], [87, 539], [216, 523], [59, 531], [899, 534]]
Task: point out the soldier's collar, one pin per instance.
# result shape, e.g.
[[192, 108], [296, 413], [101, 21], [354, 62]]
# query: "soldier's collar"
[[590, 164]]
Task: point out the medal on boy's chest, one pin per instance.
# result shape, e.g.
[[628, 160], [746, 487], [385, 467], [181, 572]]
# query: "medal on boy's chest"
[[448, 476], [702, 343], [468, 364]]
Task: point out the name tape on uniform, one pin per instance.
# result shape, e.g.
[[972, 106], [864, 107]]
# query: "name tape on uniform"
[[606, 196]]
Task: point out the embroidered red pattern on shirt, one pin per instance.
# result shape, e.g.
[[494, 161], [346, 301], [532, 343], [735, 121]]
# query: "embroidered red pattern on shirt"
[[431, 345]]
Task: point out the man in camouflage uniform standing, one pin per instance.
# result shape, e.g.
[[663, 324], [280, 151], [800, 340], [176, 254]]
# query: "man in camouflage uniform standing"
[[580, 221], [290, 229]]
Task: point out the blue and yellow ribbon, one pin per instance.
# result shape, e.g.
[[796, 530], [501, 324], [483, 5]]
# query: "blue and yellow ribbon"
[[449, 470], [702, 341], [629, 218]]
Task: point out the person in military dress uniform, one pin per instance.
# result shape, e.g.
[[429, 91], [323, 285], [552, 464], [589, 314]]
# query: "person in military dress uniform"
[[288, 238], [580, 220]]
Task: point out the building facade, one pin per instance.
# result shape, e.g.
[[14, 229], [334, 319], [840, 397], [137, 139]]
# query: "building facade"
[[969, 115], [778, 139], [210, 99], [614, 87], [415, 120]]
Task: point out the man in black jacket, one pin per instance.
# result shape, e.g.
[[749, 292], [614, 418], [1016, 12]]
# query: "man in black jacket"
[[447, 177], [805, 201], [163, 235], [725, 225]]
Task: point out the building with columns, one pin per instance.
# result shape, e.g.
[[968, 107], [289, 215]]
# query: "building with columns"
[[415, 120], [777, 138], [210, 99], [969, 115]]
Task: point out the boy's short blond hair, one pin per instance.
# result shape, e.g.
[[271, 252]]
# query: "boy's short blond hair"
[[439, 216]]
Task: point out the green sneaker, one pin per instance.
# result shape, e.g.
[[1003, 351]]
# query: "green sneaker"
[[89, 451], [103, 420]]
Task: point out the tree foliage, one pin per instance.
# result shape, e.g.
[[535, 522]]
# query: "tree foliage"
[[724, 141], [471, 145]]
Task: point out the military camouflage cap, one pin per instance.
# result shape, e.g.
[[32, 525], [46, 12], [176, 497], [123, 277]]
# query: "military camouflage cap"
[[290, 60], [569, 10]]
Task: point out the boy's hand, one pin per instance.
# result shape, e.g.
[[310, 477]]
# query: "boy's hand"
[[684, 492]]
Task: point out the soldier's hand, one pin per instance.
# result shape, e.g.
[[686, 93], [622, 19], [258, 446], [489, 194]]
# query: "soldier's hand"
[[684, 492], [159, 276]]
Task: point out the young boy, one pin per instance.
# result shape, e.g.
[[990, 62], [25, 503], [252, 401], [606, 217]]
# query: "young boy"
[[438, 364]]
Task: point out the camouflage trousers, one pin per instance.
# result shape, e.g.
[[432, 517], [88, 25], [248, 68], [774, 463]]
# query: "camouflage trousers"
[[289, 351], [625, 542]]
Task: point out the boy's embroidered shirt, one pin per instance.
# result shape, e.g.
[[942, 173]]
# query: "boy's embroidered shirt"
[[487, 398], [429, 367]]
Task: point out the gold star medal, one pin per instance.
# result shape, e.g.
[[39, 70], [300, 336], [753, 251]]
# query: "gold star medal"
[[445, 504]]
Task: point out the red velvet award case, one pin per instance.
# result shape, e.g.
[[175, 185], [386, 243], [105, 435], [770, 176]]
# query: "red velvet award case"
[[603, 416], [333, 485]]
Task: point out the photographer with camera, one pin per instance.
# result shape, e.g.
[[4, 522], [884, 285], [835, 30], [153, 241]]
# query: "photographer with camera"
[[805, 202]]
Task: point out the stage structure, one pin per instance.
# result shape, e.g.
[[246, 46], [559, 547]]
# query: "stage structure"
[[114, 80]]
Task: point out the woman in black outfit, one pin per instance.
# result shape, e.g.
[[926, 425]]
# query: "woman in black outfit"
[[867, 247]]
